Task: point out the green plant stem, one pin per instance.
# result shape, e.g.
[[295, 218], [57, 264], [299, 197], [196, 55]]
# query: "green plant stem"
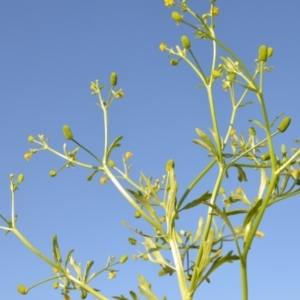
[[33, 249], [156, 225], [105, 117], [185, 295], [214, 196], [243, 269], [214, 121], [52, 264]]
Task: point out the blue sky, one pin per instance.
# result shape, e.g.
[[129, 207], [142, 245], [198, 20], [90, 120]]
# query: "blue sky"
[[50, 52]]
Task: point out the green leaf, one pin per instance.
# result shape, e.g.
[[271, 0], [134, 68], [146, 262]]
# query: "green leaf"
[[92, 175], [56, 251], [120, 297], [236, 212], [272, 123], [208, 142], [252, 212], [219, 261], [76, 267], [139, 196], [199, 230], [88, 266], [241, 174], [133, 295], [68, 257], [202, 144], [257, 123], [206, 196], [246, 103], [114, 144], [145, 288]]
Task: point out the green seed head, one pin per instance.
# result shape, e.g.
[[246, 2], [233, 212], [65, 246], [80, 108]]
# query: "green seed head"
[[283, 149], [21, 177], [252, 131], [132, 241], [67, 132], [265, 156], [231, 76], [284, 124], [185, 42], [123, 259], [170, 165], [113, 79], [263, 53], [22, 289], [176, 16], [30, 139], [111, 163], [270, 51], [174, 62]]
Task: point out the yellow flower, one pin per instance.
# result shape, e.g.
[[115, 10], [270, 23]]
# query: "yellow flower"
[[260, 234], [232, 131], [103, 180], [215, 11], [119, 93], [27, 155], [162, 47], [112, 274], [128, 155], [95, 87], [226, 85], [169, 3]]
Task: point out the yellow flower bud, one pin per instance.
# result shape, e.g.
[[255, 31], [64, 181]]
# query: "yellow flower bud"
[[111, 163], [103, 180], [22, 289], [216, 74], [52, 173], [176, 16], [55, 285], [263, 53], [174, 62], [67, 132], [128, 155], [162, 47], [30, 139], [113, 79], [284, 124], [137, 215], [145, 256], [185, 42], [112, 274]]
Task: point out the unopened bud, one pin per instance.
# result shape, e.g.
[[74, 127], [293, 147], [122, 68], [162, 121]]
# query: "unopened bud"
[[67, 132]]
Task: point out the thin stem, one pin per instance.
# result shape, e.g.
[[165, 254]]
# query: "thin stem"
[[88, 151], [33, 249]]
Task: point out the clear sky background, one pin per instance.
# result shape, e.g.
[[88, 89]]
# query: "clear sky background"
[[50, 52]]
